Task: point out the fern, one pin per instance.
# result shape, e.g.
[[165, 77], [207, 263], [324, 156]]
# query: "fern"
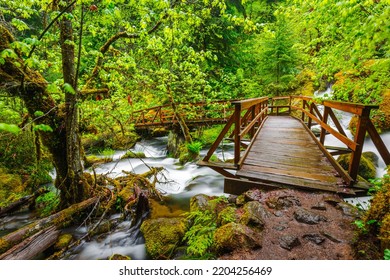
[[200, 236]]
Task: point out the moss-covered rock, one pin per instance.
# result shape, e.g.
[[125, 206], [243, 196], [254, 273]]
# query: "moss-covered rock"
[[163, 236], [367, 169], [63, 241], [131, 154], [382, 117], [200, 202], [227, 215], [254, 215], [233, 236], [11, 187], [95, 160], [117, 257], [159, 210]]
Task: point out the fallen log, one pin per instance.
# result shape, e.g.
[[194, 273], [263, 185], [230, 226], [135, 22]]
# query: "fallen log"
[[21, 202], [59, 220], [32, 246]]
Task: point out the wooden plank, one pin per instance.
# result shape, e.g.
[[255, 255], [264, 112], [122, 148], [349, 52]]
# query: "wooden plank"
[[294, 182], [290, 161], [311, 174], [322, 168]]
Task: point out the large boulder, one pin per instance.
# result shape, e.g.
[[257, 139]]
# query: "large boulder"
[[367, 168], [254, 215], [234, 236], [163, 235]]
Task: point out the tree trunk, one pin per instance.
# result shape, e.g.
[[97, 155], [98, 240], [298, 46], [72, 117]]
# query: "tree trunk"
[[32, 246], [70, 180], [21, 202], [59, 220], [63, 142], [183, 126]]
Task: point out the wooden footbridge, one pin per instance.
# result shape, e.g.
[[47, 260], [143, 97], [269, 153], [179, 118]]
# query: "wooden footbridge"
[[274, 146]]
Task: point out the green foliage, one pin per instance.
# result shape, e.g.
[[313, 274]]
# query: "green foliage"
[[47, 203], [11, 128], [194, 147], [199, 236], [43, 127], [386, 254], [131, 154]]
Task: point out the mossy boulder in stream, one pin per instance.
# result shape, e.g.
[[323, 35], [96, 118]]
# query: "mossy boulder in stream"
[[367, 168], [163, 236]]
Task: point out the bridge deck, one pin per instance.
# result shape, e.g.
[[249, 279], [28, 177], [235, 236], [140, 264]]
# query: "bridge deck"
[[285, 154]]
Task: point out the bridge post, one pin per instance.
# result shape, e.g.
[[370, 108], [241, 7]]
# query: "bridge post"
[[361, 129], [237, 133]]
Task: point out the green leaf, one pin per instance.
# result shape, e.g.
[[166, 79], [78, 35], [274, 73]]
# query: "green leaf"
[[19, 24], [69, 89], [43, 127], [38, 114], [10, 128]]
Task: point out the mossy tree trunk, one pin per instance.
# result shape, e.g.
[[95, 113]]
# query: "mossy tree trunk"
[[63, 143], [70, 181]]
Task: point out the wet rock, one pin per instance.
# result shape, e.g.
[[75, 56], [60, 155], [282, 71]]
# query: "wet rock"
[[305, 216], [232, 198], [254, 215], [283, 202], [199, 202], [320, 206], [234, 236], [366, 169], [240, 200], [163, 235], [288, 242], [278, 213], [63, 241], [253, 195], [330, 237], [333, 200], [348, 209], [287, 202], [117, 257], [315, 238], [373, 157], [279, 227]]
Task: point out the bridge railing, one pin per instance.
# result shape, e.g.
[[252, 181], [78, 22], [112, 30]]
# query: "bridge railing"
[[241, 127], [311, 114], [215, 111]]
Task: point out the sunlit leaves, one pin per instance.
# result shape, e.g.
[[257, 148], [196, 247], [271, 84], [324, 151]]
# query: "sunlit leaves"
[[43, 127], [11, 128], [68, 88]]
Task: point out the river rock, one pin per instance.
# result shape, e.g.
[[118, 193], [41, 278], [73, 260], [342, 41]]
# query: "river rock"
[[199, 202], [348, 209], [163, 235], [254, 215], [236, 236], [254, 194], [366, 169], [305, 216], [314, 237], [289, 241], [227, 215]]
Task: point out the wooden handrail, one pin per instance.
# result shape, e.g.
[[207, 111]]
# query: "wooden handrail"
[[247, 118], [164, 115]]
